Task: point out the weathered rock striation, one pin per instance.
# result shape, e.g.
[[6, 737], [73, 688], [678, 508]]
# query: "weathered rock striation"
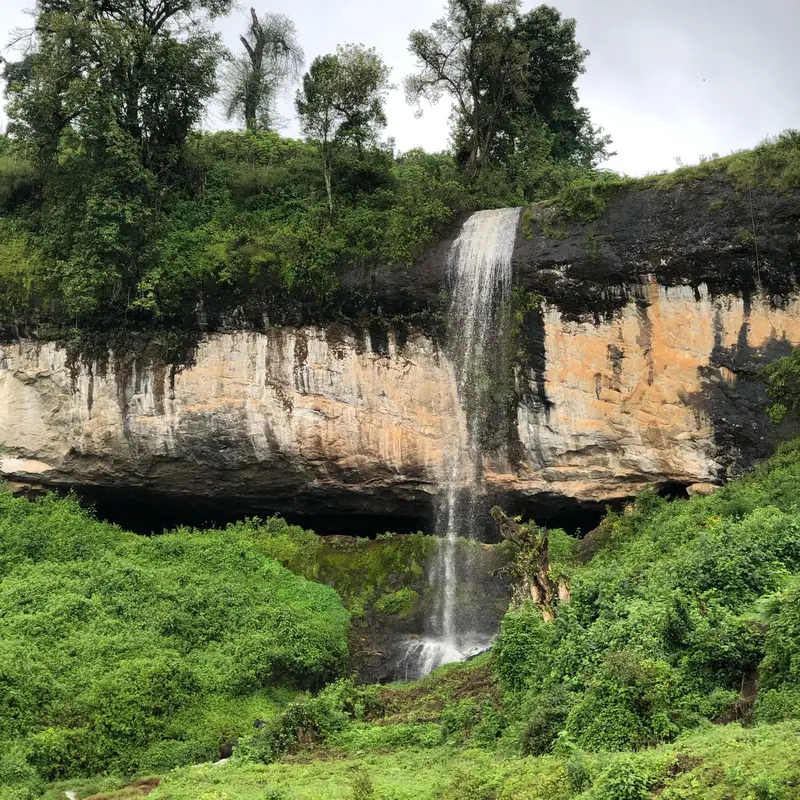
[[333, 420]]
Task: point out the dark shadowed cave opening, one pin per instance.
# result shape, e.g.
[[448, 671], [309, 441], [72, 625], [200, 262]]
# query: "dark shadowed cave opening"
[[146, 512]]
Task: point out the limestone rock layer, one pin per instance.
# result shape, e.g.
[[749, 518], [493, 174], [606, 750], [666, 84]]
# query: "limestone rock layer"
[[320, 418]]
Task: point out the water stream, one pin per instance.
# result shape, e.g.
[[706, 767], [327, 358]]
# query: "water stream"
[[480, 283]]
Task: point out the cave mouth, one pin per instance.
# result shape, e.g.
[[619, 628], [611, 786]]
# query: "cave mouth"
[[673, 490], [147, 512], [575, 517]]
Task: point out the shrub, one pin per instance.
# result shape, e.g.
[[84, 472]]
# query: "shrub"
[[458, 719], [545, 713], [624, 779], [777, 705], [782, 379], [358, 737], [18, 182], [305, 722], [111, 642], [167, 754], [523, 649], [627, 705], [402, 602], [361, 786], [781, 665]]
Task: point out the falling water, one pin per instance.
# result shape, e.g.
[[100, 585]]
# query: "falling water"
[[480, 280]]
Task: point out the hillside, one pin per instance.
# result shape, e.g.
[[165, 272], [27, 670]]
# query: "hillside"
[[678, 647]]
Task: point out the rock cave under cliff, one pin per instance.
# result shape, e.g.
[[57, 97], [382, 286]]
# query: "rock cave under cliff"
[[148, 512]]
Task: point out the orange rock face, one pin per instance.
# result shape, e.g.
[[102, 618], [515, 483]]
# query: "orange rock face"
[[296, 416]]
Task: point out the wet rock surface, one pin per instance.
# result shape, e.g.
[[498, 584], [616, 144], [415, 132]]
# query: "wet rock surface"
[[639, 368]]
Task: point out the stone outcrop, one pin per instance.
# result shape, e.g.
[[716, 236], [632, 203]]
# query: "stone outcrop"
[[638, 369], [338, 419]]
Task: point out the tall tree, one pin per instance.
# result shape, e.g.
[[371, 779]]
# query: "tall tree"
[[104, 99], [470, 55], [554, 62], [506, 73], [342, 100], [272, 58]]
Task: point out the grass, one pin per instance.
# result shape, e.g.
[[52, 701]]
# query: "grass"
[[715, 763], [773, 164]]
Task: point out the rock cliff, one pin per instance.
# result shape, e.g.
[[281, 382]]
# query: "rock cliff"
[[334, 420], [636, 368]]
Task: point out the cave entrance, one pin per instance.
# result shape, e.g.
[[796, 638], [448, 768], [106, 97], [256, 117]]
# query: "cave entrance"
[[147, 512]]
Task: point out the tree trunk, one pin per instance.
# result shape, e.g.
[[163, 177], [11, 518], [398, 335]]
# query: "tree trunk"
[[475, 150], [326, 169], [533, 564]]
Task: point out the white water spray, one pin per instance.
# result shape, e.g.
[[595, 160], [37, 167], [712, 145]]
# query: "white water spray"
[[480, 280]]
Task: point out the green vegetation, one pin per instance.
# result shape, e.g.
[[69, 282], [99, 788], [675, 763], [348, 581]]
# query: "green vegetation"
[[671, 669], [122, 653], [664, 627], [115, 212], [511, 77], [723, 763], [782, 379], [773, 164], [384, 575]]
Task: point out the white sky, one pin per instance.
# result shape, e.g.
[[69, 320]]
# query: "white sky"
[[666, 78]]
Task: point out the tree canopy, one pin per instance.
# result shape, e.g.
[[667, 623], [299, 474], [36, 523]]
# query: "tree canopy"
[[342, 101], [272, 58], [510, 76], [117, 211]]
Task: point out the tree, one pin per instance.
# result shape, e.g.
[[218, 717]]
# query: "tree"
[[272, 58], [104, 99], [471, 55], [512, 81], [342, 100], [554, 62], [532, 564]]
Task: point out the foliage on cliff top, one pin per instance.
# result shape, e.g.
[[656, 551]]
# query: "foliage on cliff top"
[[773, 164], [120, 652], [246, 230]]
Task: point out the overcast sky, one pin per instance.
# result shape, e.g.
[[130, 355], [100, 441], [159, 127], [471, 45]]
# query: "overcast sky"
[[666, 78]]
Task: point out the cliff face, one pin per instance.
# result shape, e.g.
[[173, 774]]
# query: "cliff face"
[[333, 419], [636, 369]]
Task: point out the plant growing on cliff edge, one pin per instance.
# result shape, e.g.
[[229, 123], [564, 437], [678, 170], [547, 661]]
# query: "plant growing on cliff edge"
[[782, 379], [103, 100]]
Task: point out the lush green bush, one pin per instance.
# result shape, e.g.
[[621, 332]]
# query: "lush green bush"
[[782, 379], [303, 723], [626, 705], [121, 652], [665, 625], [781, 666]]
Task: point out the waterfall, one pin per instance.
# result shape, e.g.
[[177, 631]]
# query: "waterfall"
[[479, 270]]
